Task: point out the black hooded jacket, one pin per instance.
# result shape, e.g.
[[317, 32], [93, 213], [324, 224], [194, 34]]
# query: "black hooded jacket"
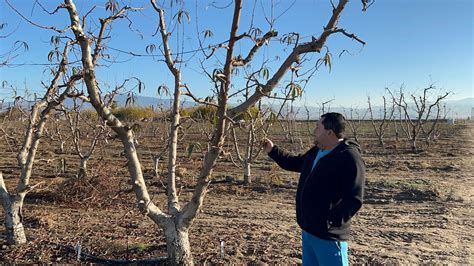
[[329, 195]]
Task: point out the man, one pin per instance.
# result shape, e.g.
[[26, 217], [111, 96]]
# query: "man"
[[330, 190]]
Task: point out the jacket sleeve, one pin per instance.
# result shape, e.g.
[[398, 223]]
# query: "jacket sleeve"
[[287, 161], [353, 182]]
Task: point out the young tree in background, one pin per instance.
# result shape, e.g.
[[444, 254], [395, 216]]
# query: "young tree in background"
[[423, 106], [354, 119], [80, 130], [386, 116], [432, 132], [254, 126]]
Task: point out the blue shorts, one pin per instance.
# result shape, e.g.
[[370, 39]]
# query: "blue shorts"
[[317, 251]]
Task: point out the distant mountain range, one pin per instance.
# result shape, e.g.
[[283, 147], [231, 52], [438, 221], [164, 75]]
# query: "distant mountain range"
[[144, 101], [459, 109]]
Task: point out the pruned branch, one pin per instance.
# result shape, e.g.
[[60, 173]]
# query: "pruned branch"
[[258, 43], [350, 35]]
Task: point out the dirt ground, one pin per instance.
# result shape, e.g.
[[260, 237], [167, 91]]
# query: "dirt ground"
[[418, 209]]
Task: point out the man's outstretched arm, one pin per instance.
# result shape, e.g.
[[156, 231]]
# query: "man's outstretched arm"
[[282, 158]]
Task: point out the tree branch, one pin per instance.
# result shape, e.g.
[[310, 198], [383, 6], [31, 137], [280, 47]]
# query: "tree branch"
[[313, 46], [258, 43], [350, 35], [103, 24], [35, 24]]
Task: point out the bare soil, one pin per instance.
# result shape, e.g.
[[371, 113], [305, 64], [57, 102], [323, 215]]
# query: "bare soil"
[[418, 209]]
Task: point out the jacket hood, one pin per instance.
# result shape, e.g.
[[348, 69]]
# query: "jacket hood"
[[348, 144]]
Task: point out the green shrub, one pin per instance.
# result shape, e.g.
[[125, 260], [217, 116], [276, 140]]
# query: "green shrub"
[[204, 112], [208, 113], [184, 112], [133, 113], [90, 114], [251, 112]]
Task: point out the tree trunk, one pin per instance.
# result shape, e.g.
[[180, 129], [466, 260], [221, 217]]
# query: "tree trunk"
[[83, 168], [356, 137], [14, 221], [177, 245], [62, 166], [413, 144], [61, 147], [413, 139], [381, 143], [247, 173], [156, 163]]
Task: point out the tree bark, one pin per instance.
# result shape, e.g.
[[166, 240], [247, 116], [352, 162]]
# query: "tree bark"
[[12, 206], [14, 221], [177, 245], [83, 168]]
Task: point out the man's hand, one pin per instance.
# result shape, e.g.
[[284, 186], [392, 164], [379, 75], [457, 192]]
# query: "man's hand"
[[267, 145]]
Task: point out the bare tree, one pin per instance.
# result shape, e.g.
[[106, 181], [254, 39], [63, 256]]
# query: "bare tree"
[[432, 133], [422, 112], [355, 119], [177, 220], [385, 117], [8, 128], [82, 129], [256, 126], [13, 201], [309, 129], [162, 126], [322, 108], [288, 123], [57, 135]]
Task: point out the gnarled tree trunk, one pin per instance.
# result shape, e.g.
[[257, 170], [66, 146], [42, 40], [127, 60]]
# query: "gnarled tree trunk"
[[14, 221], [12, 206], [177, 245], [83, 167]]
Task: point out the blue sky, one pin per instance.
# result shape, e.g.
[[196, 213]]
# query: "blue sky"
[[408, 42]]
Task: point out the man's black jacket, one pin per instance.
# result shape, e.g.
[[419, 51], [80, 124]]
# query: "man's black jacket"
[[329, 195]]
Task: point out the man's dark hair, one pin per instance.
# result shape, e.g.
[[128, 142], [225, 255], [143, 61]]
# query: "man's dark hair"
[[335, 122]]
